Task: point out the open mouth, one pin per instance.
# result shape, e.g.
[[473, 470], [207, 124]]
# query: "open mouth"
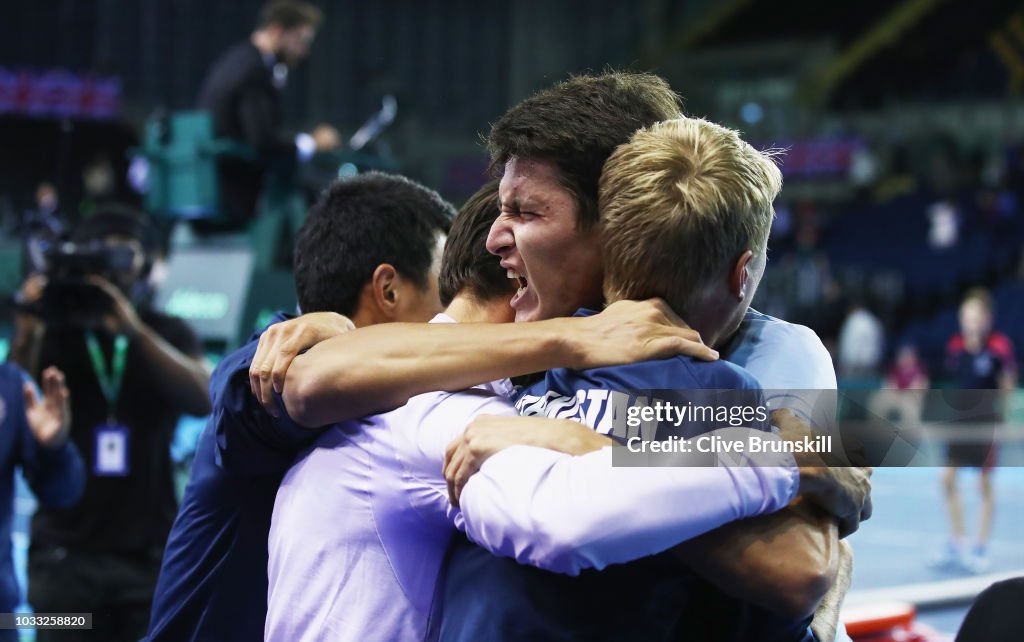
[[523, 284]]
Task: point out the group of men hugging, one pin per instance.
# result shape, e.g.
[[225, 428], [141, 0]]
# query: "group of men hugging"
[[365, 475]]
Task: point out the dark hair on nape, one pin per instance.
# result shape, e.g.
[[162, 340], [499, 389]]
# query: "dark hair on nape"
[[359, 223], [289, 14], [578, 123], [467, 265]]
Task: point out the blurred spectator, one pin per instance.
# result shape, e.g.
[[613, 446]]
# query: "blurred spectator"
[[980, 360], [908, 372], [40, 226], [861, 343], [863, 172], [46, 200], [945, 225], [99, 185], [814, 288], [242, 93], [132, 372], [902, 398]]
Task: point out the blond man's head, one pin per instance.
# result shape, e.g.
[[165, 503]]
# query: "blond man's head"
[[681, 206]]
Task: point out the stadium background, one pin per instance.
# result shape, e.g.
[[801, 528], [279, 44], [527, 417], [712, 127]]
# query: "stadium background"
[[904, 174]]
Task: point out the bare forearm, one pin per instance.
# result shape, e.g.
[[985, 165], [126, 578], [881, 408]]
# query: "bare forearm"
[[561, 435], [379, 368], [826, 617], [188, 377], [784, 562]]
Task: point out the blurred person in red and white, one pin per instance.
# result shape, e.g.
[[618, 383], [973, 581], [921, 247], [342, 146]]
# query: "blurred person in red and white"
[[983, 365]]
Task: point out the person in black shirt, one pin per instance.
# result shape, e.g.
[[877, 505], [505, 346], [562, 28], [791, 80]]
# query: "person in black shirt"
[[241, 91], [132, 372]]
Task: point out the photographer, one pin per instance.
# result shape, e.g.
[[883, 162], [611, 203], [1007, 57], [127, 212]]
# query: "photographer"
[[132, 372]]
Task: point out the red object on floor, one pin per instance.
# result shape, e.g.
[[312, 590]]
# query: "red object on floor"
[[885, 622]]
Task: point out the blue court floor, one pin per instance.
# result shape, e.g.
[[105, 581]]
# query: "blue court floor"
[[910, 525]]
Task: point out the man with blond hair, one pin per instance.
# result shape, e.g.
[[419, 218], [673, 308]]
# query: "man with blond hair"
[[686, 208]]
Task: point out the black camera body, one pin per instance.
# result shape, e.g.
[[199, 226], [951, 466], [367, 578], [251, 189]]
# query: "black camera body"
[[69, 298]]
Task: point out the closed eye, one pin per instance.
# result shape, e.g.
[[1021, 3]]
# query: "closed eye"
[[518, 214]]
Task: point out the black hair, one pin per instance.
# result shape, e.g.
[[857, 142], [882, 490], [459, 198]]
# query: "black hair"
[[116, 219], [359, 223], [467, 264], [578, 123]]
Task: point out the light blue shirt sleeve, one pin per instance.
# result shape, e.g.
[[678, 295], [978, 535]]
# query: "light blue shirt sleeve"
[[793, 366], [796, 371]]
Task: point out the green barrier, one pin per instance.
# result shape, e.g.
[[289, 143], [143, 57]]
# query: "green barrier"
[[182, 154], [10, 266]]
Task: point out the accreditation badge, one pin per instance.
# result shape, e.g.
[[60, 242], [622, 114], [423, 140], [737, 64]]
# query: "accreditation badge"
[[111, 451]]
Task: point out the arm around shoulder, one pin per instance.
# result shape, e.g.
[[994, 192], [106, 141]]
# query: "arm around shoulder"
[[784, 562]]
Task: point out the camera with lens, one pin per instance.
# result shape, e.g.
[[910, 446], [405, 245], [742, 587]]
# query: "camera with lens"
[[70, 298]]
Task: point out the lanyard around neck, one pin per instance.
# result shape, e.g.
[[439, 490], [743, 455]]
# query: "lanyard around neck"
[[110, 383]]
